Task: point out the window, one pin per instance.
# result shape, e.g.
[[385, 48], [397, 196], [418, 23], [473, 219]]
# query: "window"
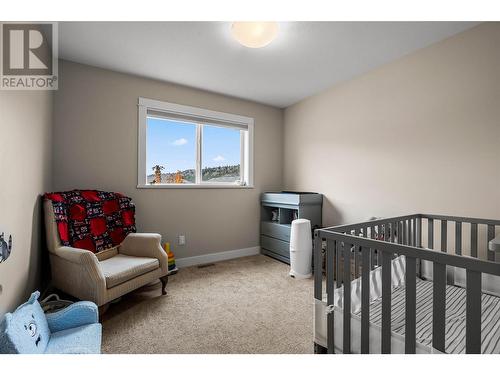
[[181, 146]]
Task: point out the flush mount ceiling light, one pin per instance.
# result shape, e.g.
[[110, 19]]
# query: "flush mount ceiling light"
[[254, 34]]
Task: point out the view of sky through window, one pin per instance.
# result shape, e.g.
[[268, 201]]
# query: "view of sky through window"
[[172, 146], [221, 154]]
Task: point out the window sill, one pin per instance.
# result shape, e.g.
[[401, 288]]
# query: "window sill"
[[193, 186]]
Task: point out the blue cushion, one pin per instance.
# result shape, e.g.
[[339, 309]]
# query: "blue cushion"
[[81, 340], [75, 315]]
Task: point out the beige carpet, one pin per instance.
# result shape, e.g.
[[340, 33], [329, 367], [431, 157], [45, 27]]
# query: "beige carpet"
[[246, 305]]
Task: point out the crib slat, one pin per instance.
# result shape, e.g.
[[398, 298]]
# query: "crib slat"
[[374, 235], [410, 235], [473, 240], [356, 261], [458, 238], [444, 235], [410, 305], [419, 232], [394, 231], [338, 264], [360, 261], [373, 262], [491, 235], [430, 233], [386, 302], [408, 232], [330, 254], [365, 300], [318, 269], [402, 232], [418, 244], [439, 306], [450, 276], [414, 232], [473, 317], [346, 347]]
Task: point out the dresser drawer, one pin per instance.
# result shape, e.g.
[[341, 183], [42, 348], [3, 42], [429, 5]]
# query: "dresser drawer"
[[277, 246], [275, 230]]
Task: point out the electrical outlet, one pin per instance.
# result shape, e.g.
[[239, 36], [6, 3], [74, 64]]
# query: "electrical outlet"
[[182, 239]]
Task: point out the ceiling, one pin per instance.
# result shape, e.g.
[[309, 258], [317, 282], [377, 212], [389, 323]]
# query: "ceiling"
[[305, 58]]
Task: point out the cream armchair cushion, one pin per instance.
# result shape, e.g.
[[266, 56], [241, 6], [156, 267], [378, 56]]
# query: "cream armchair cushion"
[[105, 276], [122, 268]]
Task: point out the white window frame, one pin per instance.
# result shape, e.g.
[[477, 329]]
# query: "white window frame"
[[206, 117]]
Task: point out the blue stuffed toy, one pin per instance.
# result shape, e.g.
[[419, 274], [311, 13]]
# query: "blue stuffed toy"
[[73, 330]]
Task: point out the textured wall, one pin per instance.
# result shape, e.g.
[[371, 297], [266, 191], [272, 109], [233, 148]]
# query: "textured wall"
[[95, 146], [25, 154], [418, 134]]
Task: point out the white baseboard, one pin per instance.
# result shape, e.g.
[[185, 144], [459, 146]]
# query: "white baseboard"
[[216, 257]]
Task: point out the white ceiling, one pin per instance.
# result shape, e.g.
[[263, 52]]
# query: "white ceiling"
[[306, 57]]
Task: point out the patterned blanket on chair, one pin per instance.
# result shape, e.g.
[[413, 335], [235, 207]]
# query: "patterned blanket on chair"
[[91, 219]]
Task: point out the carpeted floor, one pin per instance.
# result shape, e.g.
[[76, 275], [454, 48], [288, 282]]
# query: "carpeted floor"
[[245, 305]]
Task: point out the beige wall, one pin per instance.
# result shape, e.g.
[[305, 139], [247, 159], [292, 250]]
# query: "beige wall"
[[421, 134], [25, 154], [95, 146]]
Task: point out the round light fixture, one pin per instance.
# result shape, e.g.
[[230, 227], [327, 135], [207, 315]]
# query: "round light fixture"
[[254, 34]]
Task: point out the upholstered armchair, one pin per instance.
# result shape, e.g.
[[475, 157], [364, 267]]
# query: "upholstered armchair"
[[103, 276]]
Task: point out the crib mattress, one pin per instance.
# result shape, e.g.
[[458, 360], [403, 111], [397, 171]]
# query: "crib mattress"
[[455, 321]]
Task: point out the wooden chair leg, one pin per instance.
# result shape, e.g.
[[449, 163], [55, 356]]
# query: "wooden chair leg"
[[103, 309], [164, 281]]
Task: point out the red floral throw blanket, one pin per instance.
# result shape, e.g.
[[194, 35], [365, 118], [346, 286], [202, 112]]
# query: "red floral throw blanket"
[[91, 219]]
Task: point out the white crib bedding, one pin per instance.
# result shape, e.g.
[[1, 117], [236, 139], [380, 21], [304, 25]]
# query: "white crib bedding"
[[455, 316]]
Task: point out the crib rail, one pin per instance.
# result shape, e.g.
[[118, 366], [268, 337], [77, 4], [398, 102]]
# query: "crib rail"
[[490, 225], [374, 244]]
